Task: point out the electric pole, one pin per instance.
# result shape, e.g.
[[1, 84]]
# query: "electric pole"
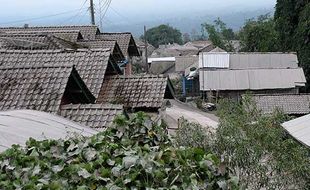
[[146, 54], [92, 12]]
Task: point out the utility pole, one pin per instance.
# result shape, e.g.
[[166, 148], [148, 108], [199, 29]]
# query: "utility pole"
[[146, 53], [92, 12]]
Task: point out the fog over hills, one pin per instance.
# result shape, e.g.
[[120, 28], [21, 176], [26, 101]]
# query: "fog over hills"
[[132, 15]]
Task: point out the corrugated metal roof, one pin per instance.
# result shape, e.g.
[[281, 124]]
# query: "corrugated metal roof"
[[161, 59], [300, 129], [16, 127], [214, 60], [289, 104], [263, 61], [257, 79]]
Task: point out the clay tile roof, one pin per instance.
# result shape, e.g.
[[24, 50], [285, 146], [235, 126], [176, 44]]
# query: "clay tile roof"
[[95, 44], [142, 91], [68, 35], [289, 104], [90, 64], [125, 41], [37, 88], [15, 41], [88, 32], [98, 116]]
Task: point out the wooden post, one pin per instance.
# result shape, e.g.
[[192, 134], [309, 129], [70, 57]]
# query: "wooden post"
[[146, 53]]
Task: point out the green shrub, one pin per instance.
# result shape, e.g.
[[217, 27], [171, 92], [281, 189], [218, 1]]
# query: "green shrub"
[[133, 154]]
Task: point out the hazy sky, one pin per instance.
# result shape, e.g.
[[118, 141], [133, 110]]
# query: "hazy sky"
[[12, 11]]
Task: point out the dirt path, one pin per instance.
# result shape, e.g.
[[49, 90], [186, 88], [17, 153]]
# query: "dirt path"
[[191, 114]]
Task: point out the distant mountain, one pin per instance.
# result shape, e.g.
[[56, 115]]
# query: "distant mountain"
[[189, 22]]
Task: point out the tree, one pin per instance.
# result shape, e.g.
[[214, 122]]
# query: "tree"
[[186, 37], [302, 38], [292, 24], [259, 35], [163, 34], [219, 34]]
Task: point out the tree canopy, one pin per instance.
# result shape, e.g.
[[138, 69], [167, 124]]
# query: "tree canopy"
[[259, 35], [292, 24], [219, 34], [163, 34]]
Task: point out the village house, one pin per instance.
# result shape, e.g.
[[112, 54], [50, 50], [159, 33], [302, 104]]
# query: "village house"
[[233, 74], [42, 88], [127, 44], [97, 58]]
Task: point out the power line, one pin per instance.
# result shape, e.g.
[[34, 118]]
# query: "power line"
[[76, 15], [39, 18], [120, 15]]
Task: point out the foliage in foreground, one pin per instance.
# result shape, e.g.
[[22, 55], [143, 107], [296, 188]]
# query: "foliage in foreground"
[[133, 154], [254, 146]]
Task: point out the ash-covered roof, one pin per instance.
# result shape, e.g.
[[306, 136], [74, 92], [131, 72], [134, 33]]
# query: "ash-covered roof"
[[97, 116], [17, 126], [290, 104], [263, 61], [88, 32], [92, 65], [183, 62], [299, 128], [125, 41], [37, 88], [142, 91], [67, 35], [104, 44], [19, 41], [253, 79]]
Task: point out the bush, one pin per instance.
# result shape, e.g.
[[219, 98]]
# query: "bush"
[[254, 146], [133, 154]]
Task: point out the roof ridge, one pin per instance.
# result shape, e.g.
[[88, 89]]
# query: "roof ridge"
[[11, 67], [66, 50], [92, 106]]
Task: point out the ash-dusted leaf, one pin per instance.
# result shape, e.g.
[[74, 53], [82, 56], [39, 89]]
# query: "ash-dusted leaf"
[[4, 163], [36, 170], [90, 154], [222, 184], [84, 173], [130, 161], [72, 147], [43, 181], [126, 181], [116, 171], [57, 168], [110, 162]]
